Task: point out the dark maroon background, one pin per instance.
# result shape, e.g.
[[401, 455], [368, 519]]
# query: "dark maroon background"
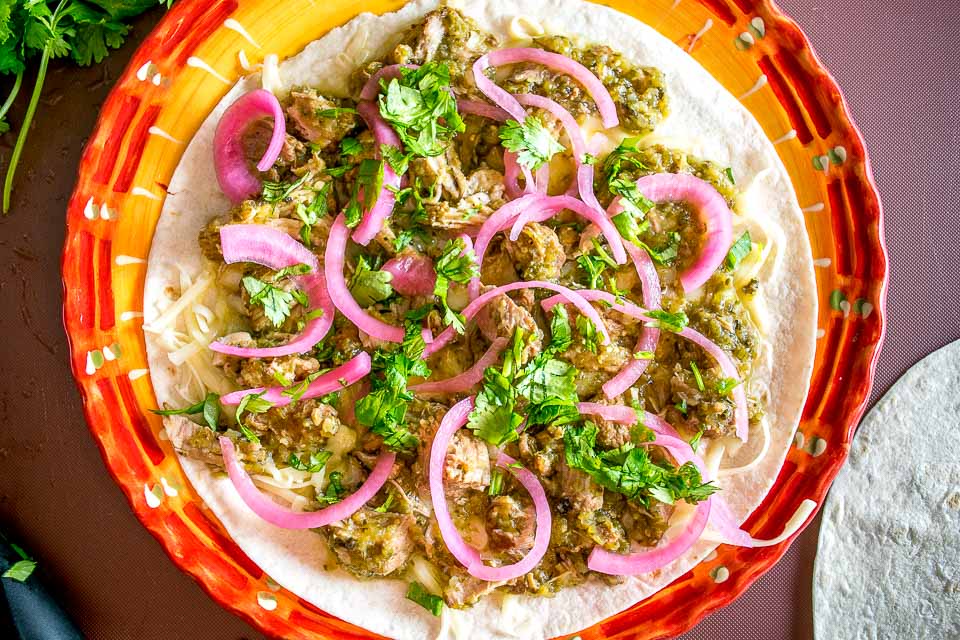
[[896, 61]]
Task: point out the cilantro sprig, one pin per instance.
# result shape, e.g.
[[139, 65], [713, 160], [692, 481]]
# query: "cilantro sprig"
[[530, 140], [209, 407], [630, 470], [422, 109], [85, 31]]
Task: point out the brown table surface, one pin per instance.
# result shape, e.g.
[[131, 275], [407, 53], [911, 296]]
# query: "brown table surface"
[[895, 60]]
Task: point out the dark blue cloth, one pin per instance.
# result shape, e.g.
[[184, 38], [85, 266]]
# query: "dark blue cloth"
[[30, 608]]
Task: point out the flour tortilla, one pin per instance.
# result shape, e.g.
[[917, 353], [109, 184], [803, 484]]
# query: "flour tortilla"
[[711, 123], [888, 564]]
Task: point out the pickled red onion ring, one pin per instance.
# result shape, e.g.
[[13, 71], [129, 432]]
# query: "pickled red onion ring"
[[565, 294], [469, 378], [282, 517], [229, 161], [334, 380], [555, 61], [381, 209], [275, 249], [712, 210], [482, 109], [466, 555], [413, 274], [334, 260], [372, 86]]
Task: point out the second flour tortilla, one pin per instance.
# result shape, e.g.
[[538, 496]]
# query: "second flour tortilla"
[[703, 114]]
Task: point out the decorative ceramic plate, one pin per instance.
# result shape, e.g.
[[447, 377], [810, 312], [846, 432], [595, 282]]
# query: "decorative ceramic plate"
[[186, 65]]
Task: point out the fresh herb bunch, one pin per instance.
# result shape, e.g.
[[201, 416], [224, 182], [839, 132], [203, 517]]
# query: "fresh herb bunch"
[[84, 31]]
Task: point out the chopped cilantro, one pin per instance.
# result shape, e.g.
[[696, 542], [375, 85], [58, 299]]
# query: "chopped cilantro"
[[350, 146], [316, 462], [643, 355], [588, 332], [726, 385], [614, 162], [397, 160], [496, 482], [681, 406], [335, 112], [594, 266], [667, 253], [334, 491], [545, 385], [274, 192], [729, 173], [560, 335], [695, 440], [738, 251], [696, 375], [589, 159], [493, 418], [384, 408], [251, 403], [421, 108], [629, 470], [369, 182], [675, 322], [386, 504], [338, 171], [530, 140], [370, 285], [417, 593]]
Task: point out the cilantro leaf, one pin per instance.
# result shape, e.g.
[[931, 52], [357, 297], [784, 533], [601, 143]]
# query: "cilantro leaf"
[[561, 337], [209, 407], [397, 160], [20, 570], [493, 418], [350, 147], [667, 253], [696, 375], [370, 285], [276, 302], [530, 140], [384, 409], [316, 462], [726, 385], [455, 264], [675, 322], [588, 332]]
